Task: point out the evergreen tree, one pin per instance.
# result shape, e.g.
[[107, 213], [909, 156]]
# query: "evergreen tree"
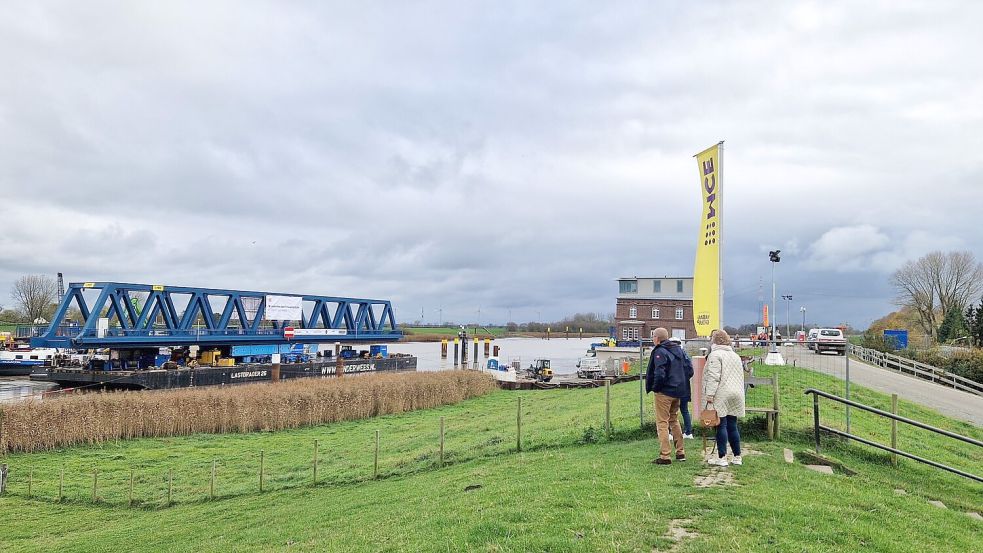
[[974, 320], [953, 326]]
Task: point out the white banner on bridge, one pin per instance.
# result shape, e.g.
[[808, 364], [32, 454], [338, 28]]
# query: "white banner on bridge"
[[284, 308], [298, 332]]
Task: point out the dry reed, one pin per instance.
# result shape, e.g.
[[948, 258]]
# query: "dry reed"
[[99, 417]]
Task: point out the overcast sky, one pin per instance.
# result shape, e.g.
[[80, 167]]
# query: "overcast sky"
[[500, 155]]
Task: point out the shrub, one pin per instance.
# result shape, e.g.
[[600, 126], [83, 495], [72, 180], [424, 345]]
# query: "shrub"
[[93, 418]]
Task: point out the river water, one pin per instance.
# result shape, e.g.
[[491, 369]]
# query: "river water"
[[563, 354]]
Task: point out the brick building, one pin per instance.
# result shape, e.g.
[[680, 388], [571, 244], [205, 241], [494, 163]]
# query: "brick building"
[[645, 304]]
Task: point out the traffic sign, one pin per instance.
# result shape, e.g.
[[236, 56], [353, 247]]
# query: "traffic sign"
[[288, 332]]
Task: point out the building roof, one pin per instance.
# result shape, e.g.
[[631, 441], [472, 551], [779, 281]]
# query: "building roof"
[[657, 278]]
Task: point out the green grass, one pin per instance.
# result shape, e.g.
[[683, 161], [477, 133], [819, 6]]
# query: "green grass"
[[562, 493], [451, 331]]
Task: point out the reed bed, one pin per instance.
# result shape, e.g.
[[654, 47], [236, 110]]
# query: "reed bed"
[[110, 416]]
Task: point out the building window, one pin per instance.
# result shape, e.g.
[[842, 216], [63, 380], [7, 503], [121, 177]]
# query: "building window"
[[628, 286], [679, 313], [657, 286], [624, 333], [633, 312], [655, 312], [679, 286]]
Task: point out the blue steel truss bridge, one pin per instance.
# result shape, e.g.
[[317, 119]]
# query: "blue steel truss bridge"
[[120, 316]]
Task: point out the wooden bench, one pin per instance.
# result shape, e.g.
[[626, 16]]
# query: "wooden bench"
[[771, 413]]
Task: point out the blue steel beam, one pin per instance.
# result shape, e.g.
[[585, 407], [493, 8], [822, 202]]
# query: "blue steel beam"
[[158, 323]]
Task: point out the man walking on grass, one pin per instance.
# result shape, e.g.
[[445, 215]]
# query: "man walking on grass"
[[668, 376]]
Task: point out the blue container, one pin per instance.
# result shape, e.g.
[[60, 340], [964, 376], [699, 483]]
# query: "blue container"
[[378, 350], [899, 337]]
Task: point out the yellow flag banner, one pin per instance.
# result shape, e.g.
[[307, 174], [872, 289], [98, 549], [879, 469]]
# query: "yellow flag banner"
[[706, 273], [767, 321]]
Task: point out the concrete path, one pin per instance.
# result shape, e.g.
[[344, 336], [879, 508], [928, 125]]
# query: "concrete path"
[[948, 401]]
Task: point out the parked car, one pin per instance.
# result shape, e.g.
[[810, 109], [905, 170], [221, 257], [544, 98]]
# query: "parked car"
[[813, 336], [831, 339]]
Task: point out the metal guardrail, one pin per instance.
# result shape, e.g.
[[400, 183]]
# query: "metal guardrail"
[[914, 368], [816, 394]]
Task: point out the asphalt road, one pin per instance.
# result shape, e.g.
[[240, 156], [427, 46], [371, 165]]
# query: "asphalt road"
[[953, 403]]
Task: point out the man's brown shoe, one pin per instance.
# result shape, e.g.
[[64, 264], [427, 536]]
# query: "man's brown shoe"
[[661, 461], [681, 457]]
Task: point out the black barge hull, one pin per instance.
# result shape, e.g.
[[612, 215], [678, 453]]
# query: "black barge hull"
[[163, 379]]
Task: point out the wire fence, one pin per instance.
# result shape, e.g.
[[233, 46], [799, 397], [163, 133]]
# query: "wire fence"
[[163, 472]]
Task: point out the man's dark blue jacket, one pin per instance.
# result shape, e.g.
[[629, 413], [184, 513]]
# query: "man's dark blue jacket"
[[669, 371]]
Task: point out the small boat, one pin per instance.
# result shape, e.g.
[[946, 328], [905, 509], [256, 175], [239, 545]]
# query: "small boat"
[[24, 361]]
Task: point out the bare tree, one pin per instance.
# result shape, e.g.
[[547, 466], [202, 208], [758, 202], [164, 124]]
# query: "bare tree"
[[937, 283], [34, 295]]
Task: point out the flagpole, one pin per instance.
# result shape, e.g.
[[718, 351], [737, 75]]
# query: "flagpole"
[[720, 231]]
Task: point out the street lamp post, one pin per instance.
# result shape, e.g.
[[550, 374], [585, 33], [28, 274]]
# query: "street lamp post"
[[803, 310], [788, 308], [774, 357]]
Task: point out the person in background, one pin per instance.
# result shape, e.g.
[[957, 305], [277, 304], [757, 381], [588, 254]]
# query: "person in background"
[[684, 401], [668, 375], [723, 388]]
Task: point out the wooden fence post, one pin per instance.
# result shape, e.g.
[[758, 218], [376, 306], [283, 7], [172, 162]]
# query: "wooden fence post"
[[375, 462], [315, 462], [607, 407], [3, 479], [441, 441], [894, 429], [518, 426], [261, 462]]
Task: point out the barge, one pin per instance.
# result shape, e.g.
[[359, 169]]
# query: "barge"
[[185, 377]]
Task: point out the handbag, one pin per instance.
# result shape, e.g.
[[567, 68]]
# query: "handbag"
[[709, 417]]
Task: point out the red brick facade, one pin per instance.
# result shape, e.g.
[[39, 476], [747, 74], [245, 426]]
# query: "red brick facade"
[[644, 322]]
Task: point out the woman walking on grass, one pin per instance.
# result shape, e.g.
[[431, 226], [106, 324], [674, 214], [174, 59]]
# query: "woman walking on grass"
[[723, 388]]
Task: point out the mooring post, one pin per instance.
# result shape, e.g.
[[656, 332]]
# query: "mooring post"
[[464, 352], [518, 426], [441, 441], [337, 349], [475, 358], [315, 462], [3, 479], [375, 459], [487, 346], [456, 352], [547, 333], [443, 348], [567, 334], [581, 333], [607, 406], [495, 349], [894, 429]]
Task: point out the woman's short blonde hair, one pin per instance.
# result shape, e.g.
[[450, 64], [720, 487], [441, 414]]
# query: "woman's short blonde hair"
[[720, 338]]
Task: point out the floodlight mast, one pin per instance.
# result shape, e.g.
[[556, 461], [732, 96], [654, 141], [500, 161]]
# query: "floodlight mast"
[[775, 258]]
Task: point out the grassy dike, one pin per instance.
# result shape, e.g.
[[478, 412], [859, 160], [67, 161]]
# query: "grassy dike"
[[571, 489]]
